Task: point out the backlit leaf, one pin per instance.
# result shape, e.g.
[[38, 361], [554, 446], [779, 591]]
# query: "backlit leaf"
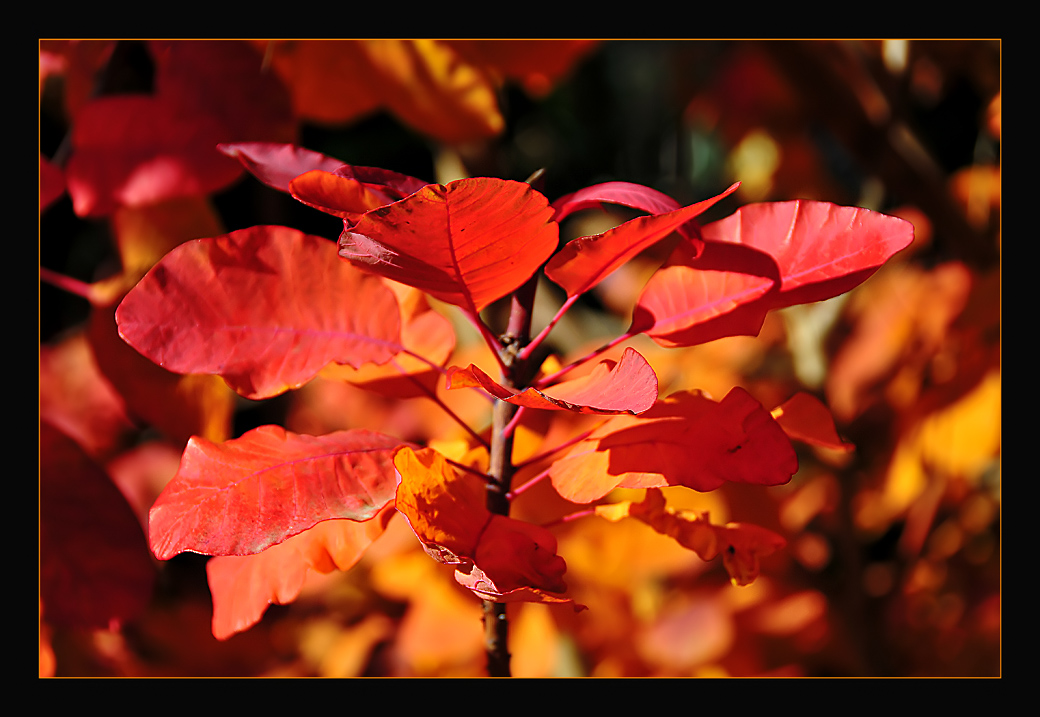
[[499, 558], [692, 300], [244, 585], [627, 386], [245, 495], [584, 262], [818, 250], [741, 545], [805, 418], [425, 333], [685, 439], [459, 242], [822, 249], [348, 191], [266, 308]]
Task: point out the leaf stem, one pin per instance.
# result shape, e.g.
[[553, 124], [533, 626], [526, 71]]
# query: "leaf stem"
[[432, 395], [515, 374], [547, 380], [510, 427], [66, 283], [512, 495], [537, 340], [556, 449]]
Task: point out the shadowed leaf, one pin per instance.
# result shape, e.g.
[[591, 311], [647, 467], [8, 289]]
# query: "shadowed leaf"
[[94, 564]]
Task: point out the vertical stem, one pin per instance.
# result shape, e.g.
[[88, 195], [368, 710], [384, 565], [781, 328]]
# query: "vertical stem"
[[515, 374]]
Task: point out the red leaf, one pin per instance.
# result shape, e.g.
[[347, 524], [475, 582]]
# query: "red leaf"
[[52, 183], [685, 439], [458, 242], [266, 308], [819, 250], [277, 164], [132, 150], [822, 249], [135, 150], [244, 585], [245, 495], [629, 386], [626, 194], [692, 300], [805, 418], [94, 562], [584, 262], [426, 333]]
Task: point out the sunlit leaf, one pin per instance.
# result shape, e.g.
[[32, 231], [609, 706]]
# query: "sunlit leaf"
[[626, 386], [741, 545], [822, 249], [584, 262], [695, 299], [244, 585], [252, 492], [685, 439], [457, 242], [499, 558], [425, 333], [348, 191], [765, 256], [266, 308], [805, 418]]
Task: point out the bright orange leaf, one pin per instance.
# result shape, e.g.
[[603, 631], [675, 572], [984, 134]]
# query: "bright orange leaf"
[[500, 558], [741, 545], [244, 585]]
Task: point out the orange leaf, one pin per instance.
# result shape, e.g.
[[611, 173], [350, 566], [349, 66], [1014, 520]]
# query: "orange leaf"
[[244, 585], [805, 418], [741, 545], [498, 558]]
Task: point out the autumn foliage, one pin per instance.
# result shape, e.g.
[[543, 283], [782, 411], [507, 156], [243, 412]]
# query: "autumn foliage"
[[439, 443]]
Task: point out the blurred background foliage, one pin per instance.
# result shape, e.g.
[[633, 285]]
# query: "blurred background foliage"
[[893, 558]]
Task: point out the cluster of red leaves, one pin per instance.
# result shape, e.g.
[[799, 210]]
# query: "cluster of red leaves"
[[342, 486], [456, 243]]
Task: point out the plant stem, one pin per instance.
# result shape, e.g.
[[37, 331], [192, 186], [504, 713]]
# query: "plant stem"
[[515, 374]]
